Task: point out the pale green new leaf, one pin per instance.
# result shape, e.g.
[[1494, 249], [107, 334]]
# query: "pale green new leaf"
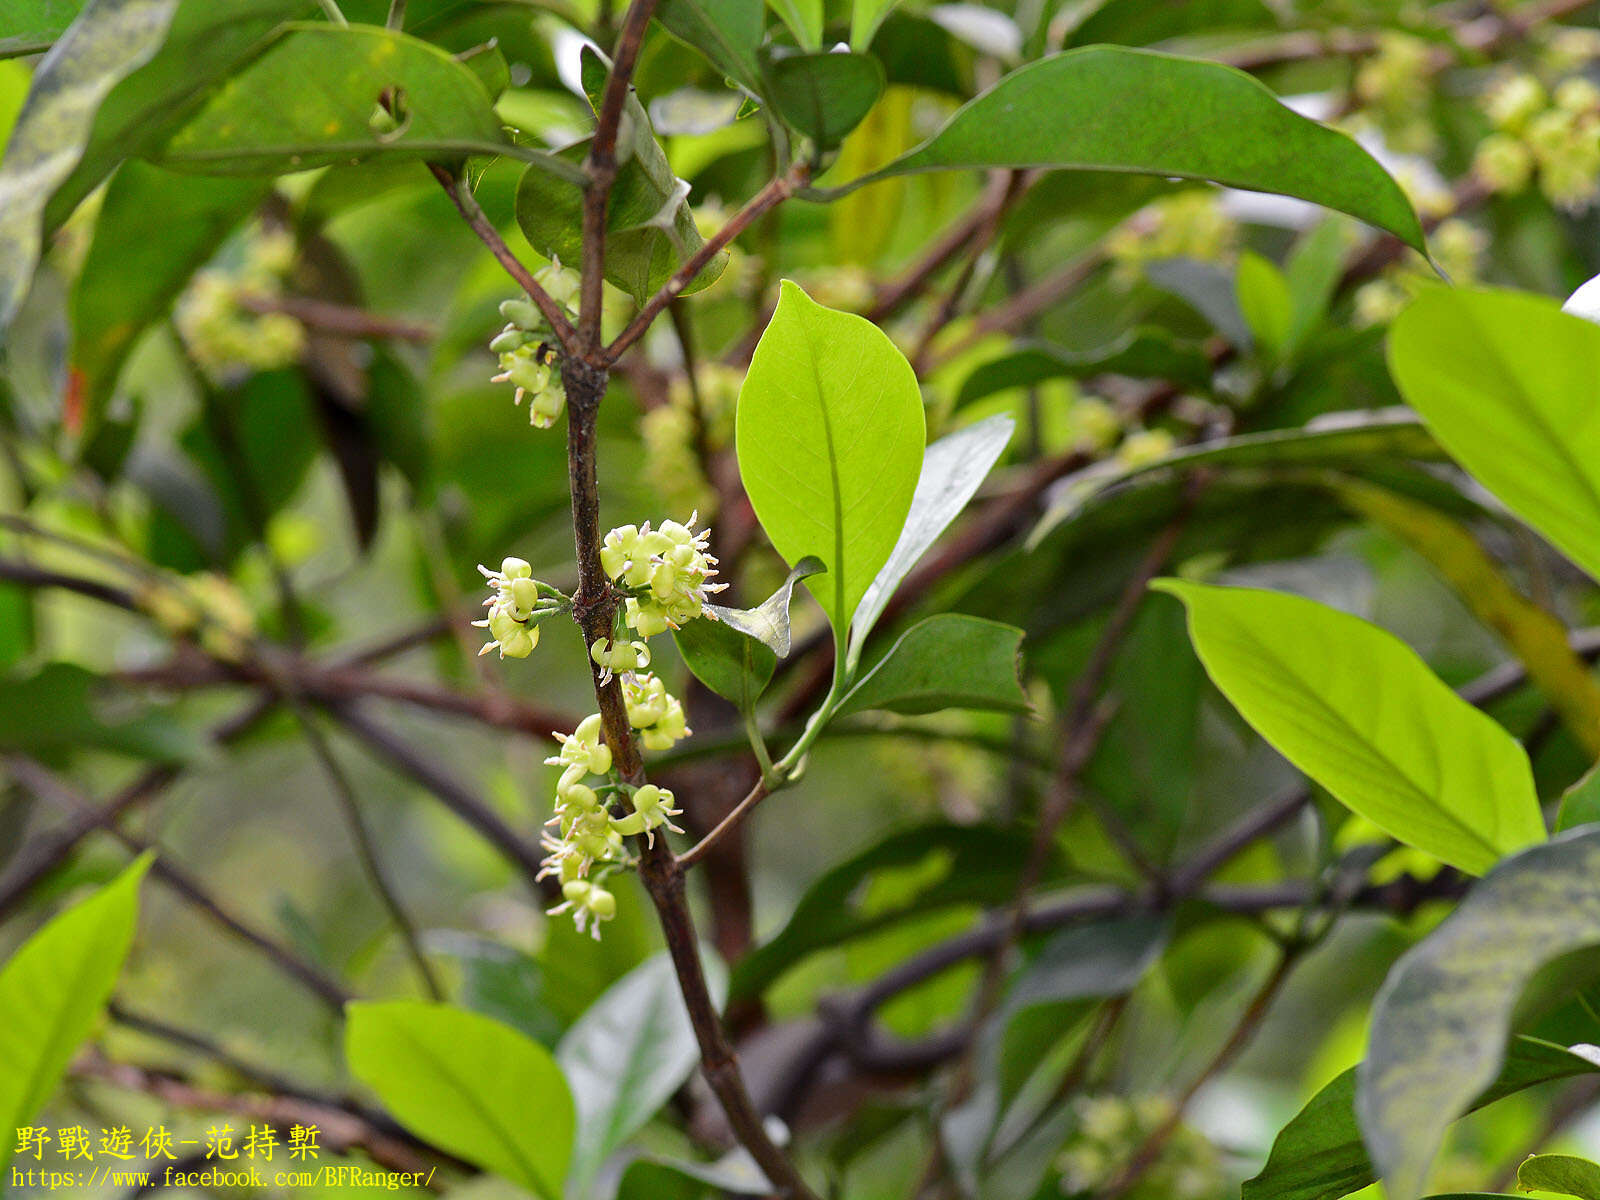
[[830, 438], [1506, 382], [1360, 713], [865, 17], [1440, 1023], [1108, 108], [947, 661], [804, 19], [625, 1057], [52, 991], [1265, 302], [468, 1084], [952, 470]]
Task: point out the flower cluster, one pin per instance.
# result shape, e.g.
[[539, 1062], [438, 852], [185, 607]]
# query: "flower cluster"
[[518, 603], [1548, 137], [1109, 1131], [1394, 87], [528, 360], [665, 572], [1188, 224], [218, 316], [587, 843], [678, 432]]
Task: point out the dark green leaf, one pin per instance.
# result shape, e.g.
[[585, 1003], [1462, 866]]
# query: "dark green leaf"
[[1141, 353], [469, 1085], [727, 32], [1563, 1173], [51, 993], [263, 120], [63, 707], [1439, 1025], [109, 41], [736, 654], [654, 1177], [29, 26], [824, 95], [1111, 109], [946, 661], [501, 982], [625, 1058]]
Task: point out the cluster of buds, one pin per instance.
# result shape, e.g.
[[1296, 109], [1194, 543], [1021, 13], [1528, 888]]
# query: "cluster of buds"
[[1189, 224], [516, 606], [220, 315], [586, 844], [1457, 246], [666, 573], [1393, 86], [654, 712], [1548, 137], [528, 358], [1109, 1132], [206, 607], [693, 422]]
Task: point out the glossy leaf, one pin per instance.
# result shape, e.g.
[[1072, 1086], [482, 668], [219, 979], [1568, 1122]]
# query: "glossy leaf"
[[111, 39], [830, 438], [624, 1059], [52, 991], [726, 31], [1112, 109], [736, 653], [260, 121], [1440, 1023], [154, 230], [946, 661], [1319, 1155], [469, 1085], [1355, 709], [1566, 1174], [953, 468], [1505, 381], [1141, 353], [824, 95]]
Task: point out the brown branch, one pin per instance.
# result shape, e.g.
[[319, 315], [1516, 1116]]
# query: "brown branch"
[[47, 785], [776, 192], [727, 825], [460, 193], [342, 320]]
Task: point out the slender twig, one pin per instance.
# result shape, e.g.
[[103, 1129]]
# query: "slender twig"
[[331, 10], [45, 784], [340, 319], [776, 192], [460, 193], [397, 15], [727, 825]]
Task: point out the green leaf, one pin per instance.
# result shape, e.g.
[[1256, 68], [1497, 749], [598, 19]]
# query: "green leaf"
[[264, 120], [865, 17], [154, 230], [804, 19], [656, 1177], [1563, 1173], [1319, 1155], [824, 95], [109, 41], [1355, 709], [626, 1057], [1312, 272], [736, 654], [650, 231], [63, 707], [1140, 23], [953, 468], [946, 661], [1580, 803], [727, 32], [1104, 108], [29, 26], [830, 438], [1146, 352], [1505, 381], [469, 1085], [1440, 1023], [1265, 303], [51, 993]]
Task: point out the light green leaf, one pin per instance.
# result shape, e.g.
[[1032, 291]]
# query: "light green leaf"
[[1265, 302], [1148, 352], [1580, 803], [830, 438], [1564, 1173], [625, 1058], [865, 17], [727, 32], [1319, 1155], [153, 231], [109, 41], [1355, 709], [1505, 381], [1440, 1023], [804, 19], [952, 470], [824, 96], [468, 1084], [29, 26], [736, 654], [264, 120], [51, 992], [1105, 108], [947, 661], [1312, 272]]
